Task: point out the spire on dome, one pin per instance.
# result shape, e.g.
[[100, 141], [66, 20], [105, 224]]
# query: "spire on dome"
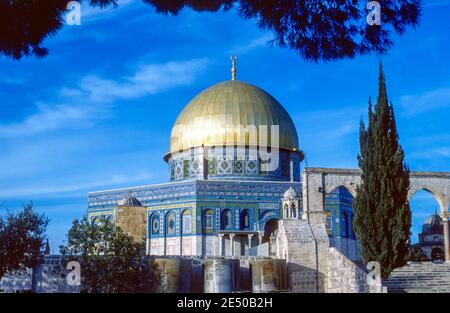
[[233, 67]]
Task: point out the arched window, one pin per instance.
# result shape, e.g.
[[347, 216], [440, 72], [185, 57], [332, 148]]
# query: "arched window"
[[101, 220], [170, 224], [226, 219], [293, 211], [187, 222], [154, 224], [208, 221], [95, 220], [338, 208], [286, 211], [245, 219]]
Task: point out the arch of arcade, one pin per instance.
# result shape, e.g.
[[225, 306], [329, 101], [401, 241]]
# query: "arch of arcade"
[[317, 182]]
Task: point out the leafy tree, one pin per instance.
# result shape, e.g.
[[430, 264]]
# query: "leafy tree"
[[316, 29], [382, 215], [110, 260], [22, 237]]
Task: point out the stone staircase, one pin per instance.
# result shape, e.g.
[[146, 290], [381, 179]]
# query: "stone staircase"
[[425, 277]]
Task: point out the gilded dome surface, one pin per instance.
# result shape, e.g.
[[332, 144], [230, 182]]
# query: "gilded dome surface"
[[217, 116]]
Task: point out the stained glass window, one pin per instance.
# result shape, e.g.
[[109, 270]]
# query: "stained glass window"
[[170, 224], [187, 222], [208, 221], [226, 219], [245, 219], [155, 224]]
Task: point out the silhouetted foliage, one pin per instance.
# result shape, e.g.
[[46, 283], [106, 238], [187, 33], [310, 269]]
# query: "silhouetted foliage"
[[110, 260], [317, 29], [22, 240], [25, 24]]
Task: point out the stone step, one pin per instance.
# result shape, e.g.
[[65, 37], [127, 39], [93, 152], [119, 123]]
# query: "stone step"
[[420, 277]]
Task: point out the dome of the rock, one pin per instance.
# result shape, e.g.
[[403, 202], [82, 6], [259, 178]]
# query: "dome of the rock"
[[218, 115]]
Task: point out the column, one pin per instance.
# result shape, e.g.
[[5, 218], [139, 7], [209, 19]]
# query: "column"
[[165, 244], [232, 244], [220, 244], [260, 239], [181, 244], [291, 167], [250, 236], [205, 162], [147, 246], [446, 238]]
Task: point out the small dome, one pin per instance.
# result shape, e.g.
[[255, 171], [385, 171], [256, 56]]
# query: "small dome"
[[433, 225], [290, 193], [129, 201]]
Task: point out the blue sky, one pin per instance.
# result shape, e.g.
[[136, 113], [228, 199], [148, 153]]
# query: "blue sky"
[[97, 112]]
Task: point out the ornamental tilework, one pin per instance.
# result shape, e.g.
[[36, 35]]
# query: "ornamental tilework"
[[251, 167], [212, 166], [239, 167], [179, 170], [186, 168], [224, 166], [237, 164], [196, 166]]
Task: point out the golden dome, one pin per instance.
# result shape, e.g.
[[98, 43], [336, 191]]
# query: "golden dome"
[[216, 117]]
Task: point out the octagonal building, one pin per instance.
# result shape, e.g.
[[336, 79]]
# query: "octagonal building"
[[234, 170]]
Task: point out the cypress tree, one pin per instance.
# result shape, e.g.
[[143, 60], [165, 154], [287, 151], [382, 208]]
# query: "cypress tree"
[[382, 215]]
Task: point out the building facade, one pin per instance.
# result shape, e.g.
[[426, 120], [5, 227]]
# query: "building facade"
[[234, 171]]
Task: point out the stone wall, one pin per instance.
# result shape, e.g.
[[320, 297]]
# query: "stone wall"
[[132, 220], [268, 275], [180, 245], [344, 276], [233, 274], [16, 282], [304, 246], [50, 277]]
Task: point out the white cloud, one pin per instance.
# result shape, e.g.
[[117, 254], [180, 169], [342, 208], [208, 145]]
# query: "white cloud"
[[331, 124], [426, 101], [91, 99], [91, 13], [257, 42], [48, 118], [330, 136], [89, 183], [431, 154], [147, 80]]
